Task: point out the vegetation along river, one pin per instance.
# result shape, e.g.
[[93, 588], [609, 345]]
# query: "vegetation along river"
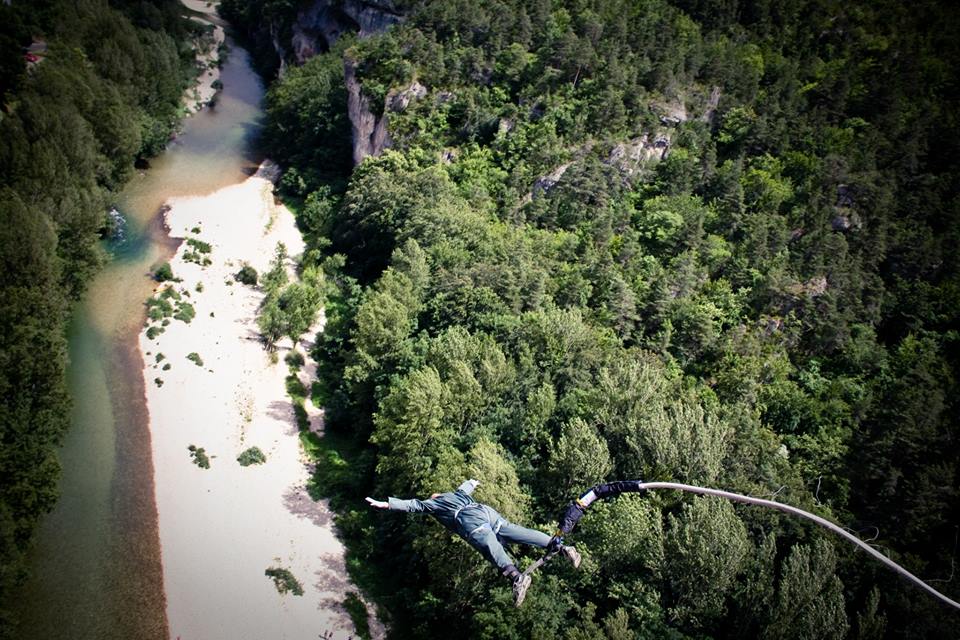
[[95, 572]]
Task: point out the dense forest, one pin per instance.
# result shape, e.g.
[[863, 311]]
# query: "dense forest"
[[688, 240], [86, 88], [693, 241]]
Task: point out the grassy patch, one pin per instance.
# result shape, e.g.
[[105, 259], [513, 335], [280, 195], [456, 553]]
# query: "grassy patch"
[[253, 455], [300, 414], [197, 258], [200, 457], [295, 388], [284, 580], [159, 308], [294, 360], [342, 474], [358, 614], [167, 304], [247, 275], [340, 467], [185, 313], [163, 273]]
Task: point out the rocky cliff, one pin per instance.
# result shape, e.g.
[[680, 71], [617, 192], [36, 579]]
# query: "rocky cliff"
[[315, 29], [370, 135], [319, 24]]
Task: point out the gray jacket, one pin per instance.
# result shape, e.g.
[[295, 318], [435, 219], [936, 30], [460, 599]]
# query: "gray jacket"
[[456, 510]]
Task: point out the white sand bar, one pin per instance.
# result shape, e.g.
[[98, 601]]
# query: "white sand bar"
[[222, 527], [207, 58]]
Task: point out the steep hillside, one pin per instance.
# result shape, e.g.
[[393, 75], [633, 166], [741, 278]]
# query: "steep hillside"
[[86, 89], [692, 241]]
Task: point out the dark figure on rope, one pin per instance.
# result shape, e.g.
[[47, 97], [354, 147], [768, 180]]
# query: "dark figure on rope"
[[576, 509], [483, 528]]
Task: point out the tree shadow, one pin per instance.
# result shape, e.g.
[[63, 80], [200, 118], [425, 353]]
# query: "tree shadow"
[[299, 503], [282, 411]]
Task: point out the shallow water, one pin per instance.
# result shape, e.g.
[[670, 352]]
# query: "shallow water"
[[95, 572]]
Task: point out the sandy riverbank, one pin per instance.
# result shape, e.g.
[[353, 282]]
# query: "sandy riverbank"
[[222, 527], [207, 57]]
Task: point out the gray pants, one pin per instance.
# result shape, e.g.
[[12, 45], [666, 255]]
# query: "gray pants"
[[489, 540]]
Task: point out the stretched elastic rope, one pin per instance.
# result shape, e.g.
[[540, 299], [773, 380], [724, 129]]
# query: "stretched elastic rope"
[[779, 506]]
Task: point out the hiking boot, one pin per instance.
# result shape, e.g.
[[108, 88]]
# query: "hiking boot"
[[520, 586], [572, 555]]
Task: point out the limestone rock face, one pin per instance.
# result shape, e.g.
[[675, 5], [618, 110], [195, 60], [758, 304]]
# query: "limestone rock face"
[[372, 16], [544, 184], [318, 26], [711, 107], [370, 135], [320, 23], [631, 156], [400, 100], [846, 217]]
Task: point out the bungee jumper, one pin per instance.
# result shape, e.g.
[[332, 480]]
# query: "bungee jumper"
[[484, 529], [487, 531]]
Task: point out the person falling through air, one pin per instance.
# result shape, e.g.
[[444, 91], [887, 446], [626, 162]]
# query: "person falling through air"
[[482, 527]]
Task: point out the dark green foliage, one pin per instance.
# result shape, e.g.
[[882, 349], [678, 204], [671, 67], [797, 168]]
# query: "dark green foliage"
[[310, 107], [284, 580], [357, 611], [295, 388], [700, 241], [294, 360], [185, 312], [247, 275], [70, 128], [289, 309], [163, 273], [199, 245], [199, 456], [195, 358], [253, 455]]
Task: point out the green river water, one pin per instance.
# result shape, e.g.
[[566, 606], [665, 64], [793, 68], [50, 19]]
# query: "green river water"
[[95, 572]]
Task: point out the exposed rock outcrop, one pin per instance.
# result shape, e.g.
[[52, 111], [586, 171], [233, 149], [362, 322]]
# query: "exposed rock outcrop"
[[399, 100], [317, 27], [671, 112], [813, 288], [321, 23], [544, 184], [370, 135], [845, 218], [631, 156], [712, 103]]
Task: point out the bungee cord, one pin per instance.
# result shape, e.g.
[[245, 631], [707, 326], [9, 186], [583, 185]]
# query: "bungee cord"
[[576, 510]]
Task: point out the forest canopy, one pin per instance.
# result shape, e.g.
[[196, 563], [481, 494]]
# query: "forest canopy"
[[691, 241], [103, 90], [710, 242]]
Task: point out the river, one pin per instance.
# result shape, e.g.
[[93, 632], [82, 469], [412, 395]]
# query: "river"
[[95, 571]]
